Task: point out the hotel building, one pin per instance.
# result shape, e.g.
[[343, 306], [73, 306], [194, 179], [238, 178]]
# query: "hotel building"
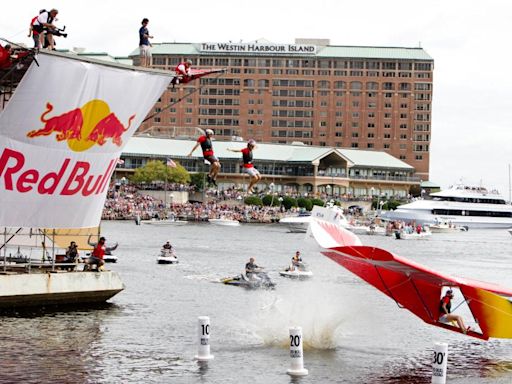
[[367, 98]]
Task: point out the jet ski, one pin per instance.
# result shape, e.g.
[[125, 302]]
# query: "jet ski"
[[167, 256], [257, 280], [297, 272]]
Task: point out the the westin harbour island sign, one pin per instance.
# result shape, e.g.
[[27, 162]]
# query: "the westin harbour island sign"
[[258, 48]]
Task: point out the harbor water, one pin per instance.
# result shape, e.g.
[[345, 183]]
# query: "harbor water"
[[352, 332]]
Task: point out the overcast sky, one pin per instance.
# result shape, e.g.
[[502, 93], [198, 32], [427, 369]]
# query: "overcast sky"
[[469, 41]]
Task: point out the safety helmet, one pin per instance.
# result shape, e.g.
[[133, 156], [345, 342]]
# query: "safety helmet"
[[209, 132], [449, 292], [188, 61], [251, 142]]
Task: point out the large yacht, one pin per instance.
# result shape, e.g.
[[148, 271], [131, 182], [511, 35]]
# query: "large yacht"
[[462, 205]]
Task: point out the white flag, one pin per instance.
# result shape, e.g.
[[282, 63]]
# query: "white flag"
[[61, 135]]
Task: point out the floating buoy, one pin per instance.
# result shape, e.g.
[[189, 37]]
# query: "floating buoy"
[[203, 332], [296, 353], [439, 363]]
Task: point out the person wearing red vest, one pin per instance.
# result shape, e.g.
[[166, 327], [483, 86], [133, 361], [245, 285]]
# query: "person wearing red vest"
[[205, 141], [97, 254], [248, 165]]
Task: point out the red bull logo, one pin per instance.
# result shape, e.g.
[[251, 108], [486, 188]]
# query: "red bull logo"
[[70, 177], [83, 127]]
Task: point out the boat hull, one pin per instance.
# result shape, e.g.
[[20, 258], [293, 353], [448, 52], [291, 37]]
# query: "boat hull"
[[59, 288], [225, 222]]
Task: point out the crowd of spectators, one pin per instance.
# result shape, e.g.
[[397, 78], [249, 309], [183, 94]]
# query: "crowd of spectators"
[[127, 203]]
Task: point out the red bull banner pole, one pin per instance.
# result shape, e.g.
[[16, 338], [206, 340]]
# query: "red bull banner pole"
[[61, 135]]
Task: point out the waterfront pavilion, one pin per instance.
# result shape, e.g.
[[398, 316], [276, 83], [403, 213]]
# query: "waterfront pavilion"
[[285, 168]]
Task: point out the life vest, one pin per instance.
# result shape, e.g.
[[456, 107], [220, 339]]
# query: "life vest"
[[206, 145], [37, 26], [247, 158], [5, 58], [99, 251], [448, 306]]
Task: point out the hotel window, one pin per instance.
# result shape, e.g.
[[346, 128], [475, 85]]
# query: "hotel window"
[[323, 114], [419, 157], [236, 62], [372, 65], [403, 136], [402, 157], [387, 126], [404, 95], [188, 110], [323, 72], [355, 94], [372, 86], [388, 86], [308, 63], [156, 119], [403, 126], [206, 61], [188, 120], [355, 115], [339, 103], [338, 134], [423, 86], [355, 124], [355, 104], [370, 145], [356, 85], [323, 124], [355, 134], [387, 105], [172, 120], [387, 115], [371, 95], [404, 87], [357, 64], [423, 66], [356, 73], [371, 115], [249, 62], [388, 95], [371, 125], [386, 146], [387, 136], [324, 64], [323, 84], [159, 60], [339, 124], [403, 105], [293, 63], [340, 85], [403, 115], [222, 62], [403, 146], [372, 105], [354, 145], [371, 135], [372, 74], [405, 66]]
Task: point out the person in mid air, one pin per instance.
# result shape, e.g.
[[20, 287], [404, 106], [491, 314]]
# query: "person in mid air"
[[183, 73], [446, 316], [248, 165], [205, 141]]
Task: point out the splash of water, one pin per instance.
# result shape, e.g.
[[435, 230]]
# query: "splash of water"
[[323, 315]]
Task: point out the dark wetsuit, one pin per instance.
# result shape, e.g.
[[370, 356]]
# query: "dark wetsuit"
[[250, 268]]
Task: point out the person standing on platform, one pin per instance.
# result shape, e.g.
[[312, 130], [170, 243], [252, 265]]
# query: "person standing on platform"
[[144, 44]]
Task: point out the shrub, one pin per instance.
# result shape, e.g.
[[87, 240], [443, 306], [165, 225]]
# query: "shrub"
[[289, 202], [305, 203], [317, 202], [267, 200], [253, 200]]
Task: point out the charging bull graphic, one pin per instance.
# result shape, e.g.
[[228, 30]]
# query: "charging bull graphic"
[[83, 127]]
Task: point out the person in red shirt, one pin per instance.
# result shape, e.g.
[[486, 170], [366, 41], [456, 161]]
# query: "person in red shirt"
[[248, 165], [205, 141], [445, 315], [97, 254], [183, 73]]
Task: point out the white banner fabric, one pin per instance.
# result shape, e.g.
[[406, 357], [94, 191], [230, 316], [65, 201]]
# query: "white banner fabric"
[[61, 135]]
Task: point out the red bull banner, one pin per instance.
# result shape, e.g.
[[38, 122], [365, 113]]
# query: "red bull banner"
[[61, 135]]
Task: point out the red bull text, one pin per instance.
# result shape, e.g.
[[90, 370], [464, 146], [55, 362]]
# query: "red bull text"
[[71, 178]]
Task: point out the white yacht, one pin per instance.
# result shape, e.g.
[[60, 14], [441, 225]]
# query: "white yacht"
[[462, 205]]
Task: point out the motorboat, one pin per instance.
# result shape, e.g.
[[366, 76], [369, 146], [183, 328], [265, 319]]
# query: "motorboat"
[[371, 229], [297, 272], [110, 258], [444, 227], [167, 256], [462, 205], [300, 223], [258, 280], [225, 222], [404, 235], [162, 222]]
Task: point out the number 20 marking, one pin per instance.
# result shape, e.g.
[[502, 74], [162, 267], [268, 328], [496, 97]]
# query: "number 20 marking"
[[294, 341]]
